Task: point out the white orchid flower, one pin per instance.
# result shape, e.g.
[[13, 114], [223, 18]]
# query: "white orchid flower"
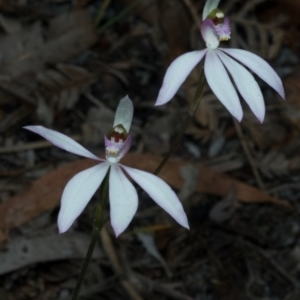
[[122, 194], [218, 61]]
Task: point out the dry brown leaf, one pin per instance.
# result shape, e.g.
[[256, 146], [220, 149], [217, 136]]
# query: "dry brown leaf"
[[270, 134], [45, 193], [223, 210], [4, 234], [294, 163], [81, 3], [27, 51], [22, 252], [209, 181], [272, 163], [190, 176], [45, 112], [156, 140], [9, 25], [65, 84], [147, 240], [292, 107], [13, 118], [42, 195], [98, 123], [167, 15]]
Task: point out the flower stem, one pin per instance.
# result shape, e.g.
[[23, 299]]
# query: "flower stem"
[[187, 121], [99, 221], [118, 17]]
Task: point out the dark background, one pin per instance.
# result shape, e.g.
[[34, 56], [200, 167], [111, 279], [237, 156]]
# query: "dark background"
[[65, 65]]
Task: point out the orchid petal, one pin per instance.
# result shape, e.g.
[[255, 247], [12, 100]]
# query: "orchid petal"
[[124, 113], [160, 192], [210, 34], [62, 141], [246, 85], [176, 74], [209, 6], [78, 193], [123, 199], [221, 85], [259, 66]]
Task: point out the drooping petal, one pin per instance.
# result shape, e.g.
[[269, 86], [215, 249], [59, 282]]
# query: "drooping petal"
[[116, 150], [62, 141], [124, 113], [259, 66], [123, 199], [219, 82], [209, 6], [210, 34], [246, 85], [176, 74], [78, 193], [160, 192]]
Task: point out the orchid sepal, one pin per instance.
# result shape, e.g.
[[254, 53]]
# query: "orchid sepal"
[[209, 6], [124, 113]]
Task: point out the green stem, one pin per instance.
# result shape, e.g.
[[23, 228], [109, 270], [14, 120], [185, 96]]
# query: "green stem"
[[119, 16], [187, 121], [86, 262], [101, 11], [99, 221]]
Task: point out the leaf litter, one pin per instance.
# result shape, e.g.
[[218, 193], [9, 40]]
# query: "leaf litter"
[[59, 69]]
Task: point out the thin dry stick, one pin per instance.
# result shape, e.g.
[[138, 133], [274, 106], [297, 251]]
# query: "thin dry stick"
[[248, 154], [112, 255], [34, 145], [17, 94], [163, 288], [118, 17], [284, 273]]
